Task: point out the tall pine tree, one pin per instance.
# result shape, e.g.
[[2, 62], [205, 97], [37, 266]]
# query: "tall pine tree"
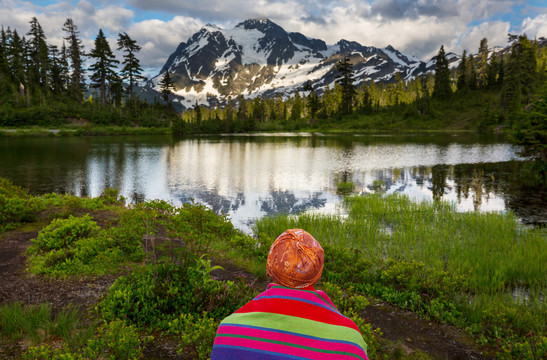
[[16, 58], [75, 54], [4, 65], [103, 68], [462, 84], [38, 51], [520, 74], [345, 80], [166, 85], [56, 70], [482, 64], [131, 67], [442, 89]]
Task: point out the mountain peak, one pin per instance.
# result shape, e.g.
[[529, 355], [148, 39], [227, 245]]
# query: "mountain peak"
[[262, 24], [259, 58], [210, 26]]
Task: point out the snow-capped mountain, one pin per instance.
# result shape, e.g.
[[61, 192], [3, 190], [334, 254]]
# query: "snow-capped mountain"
[[258, 57]]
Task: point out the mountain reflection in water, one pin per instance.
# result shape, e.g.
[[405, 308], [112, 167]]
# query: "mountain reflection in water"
[[247, 177]]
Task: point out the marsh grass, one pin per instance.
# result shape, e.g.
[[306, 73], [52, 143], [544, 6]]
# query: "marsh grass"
[[496, 252], [457, 267]]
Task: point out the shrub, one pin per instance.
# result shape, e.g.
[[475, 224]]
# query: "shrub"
[[61, 233], [16, 206], [351, 304], [197, 334], [156, 294], [117, 339], [78, 246]]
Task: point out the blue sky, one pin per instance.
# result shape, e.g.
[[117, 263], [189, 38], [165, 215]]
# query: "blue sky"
[[416, 27]]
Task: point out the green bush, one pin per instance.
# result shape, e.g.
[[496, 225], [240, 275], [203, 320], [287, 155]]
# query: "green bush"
[[197, 334], [156, 294], [198, 226], [118, 340], [62, 233], [16, 206], [351, 304], [78, 246]]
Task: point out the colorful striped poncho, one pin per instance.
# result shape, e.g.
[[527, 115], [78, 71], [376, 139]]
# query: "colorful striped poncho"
[[285, 323]]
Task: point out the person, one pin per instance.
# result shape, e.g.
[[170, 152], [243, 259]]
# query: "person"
[[290, 320]]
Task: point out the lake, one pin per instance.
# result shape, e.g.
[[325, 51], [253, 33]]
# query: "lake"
[[250, 176]]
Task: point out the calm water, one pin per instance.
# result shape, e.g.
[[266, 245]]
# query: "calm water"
[[252, 176]]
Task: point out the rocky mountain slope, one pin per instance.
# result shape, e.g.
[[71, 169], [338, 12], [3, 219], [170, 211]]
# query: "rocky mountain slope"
[[258, 57]]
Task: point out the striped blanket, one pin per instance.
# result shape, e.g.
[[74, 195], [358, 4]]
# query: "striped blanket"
[[285, 323]]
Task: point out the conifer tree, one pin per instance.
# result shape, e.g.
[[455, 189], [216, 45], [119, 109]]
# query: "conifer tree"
[[63, 63], [345, 80], [520, 74], [530, 132], [314, 103], [166, 85], [296, 109], [38, 54], [493, 71], [55, 70], [329, 102], [4, 66], [442, 89], [471, 74], [482, 64], [75, 54], [461, 84], [16, 58], [131, 69], [397, 93], [366, 101], [103, 68]]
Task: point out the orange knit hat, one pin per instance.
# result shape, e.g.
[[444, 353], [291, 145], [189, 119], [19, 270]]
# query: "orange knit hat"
[[295, 259]]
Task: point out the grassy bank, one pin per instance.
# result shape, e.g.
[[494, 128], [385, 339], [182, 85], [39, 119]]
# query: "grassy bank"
[[82, 131], [466, 269], [480, 271], [164, 289]]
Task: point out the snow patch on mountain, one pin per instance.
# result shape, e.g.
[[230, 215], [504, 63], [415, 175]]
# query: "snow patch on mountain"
[[259, 58]]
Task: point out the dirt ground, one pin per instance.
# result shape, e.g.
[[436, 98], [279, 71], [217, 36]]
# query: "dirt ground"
[[402, 329]]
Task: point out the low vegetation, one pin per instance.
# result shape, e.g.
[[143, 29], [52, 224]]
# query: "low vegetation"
[[482, 272]]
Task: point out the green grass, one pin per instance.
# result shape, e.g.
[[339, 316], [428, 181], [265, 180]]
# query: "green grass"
[[493, 248], [88, 130], [462, 268], [38, 323]]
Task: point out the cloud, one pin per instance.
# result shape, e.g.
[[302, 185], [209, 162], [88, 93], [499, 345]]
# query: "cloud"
[[223, 11], [159, 39], [536, 27], [413, 9], [416, 27], [495, 32]]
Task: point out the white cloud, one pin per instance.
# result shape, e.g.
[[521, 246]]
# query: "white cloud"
[[536, 27], [495, 32], [159, 39], [417, 29]]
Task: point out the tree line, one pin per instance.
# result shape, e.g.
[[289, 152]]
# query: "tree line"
[[39, 79]]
